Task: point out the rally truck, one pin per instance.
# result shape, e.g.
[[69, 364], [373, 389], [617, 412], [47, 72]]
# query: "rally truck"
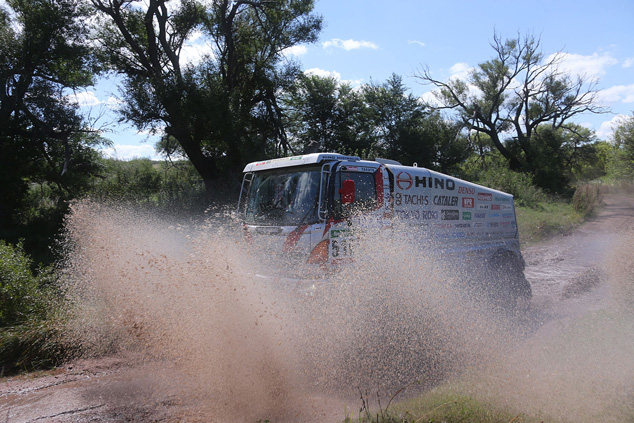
[[305, 208]]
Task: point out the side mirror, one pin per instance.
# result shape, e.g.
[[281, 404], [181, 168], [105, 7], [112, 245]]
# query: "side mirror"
[[347, 192]]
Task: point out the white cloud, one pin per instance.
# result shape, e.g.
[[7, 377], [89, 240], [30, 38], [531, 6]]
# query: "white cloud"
[[113, 102], [629, 62], [418, 43], [606, 130], [594, 65], [323, 73], [128, 152], [430, 98], [85, 99], [349, 44], [195, 49], [296, 51], [617, 94], [460, 71]]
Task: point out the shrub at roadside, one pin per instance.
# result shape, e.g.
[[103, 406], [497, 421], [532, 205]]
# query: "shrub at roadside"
[[30, 303], [587, 198]]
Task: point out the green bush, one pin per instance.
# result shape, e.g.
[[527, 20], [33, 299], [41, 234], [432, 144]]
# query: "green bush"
[[586, 198], [30, 305], [24, 295], [518, 184]]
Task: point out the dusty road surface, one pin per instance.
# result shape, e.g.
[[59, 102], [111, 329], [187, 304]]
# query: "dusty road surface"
[[567, 275]]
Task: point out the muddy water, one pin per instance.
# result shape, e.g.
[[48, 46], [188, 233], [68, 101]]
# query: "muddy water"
[[192, 336]]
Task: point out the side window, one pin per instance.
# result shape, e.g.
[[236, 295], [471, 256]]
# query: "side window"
[[365, 192]]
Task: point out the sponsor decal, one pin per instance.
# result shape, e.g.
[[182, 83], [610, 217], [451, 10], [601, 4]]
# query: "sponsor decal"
[[505, 223], [507, 215], [478, 225], [449, 215], [479, 215], [468, 202], [507, 207], [417, 200], [432, 182], [404, 180], [417, 214], [466, 215], [442, 225], [407, 214], [483, 207], [493, 224], [495, 207], [502, 199], [462, 225], [445, 200], [466, 190], [458, 235], [494, 214], [338, 233], [483, 196], [341, 248]]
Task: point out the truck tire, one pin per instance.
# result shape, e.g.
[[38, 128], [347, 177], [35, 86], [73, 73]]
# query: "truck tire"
[[506, 284]]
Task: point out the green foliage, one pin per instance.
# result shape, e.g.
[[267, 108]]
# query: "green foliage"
[[546, 219], [382, 119], [407, 131], [529, 124], [444, 405], [323, 115], [224, 110], [623, 137], [557, 153], [170, 186], [586, 198], [493, 172], [45, 147], [30, 303], [23, 293], [37, 344], [620, 152]]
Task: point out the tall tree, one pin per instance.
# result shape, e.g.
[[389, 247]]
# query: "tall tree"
[[43, 138], [322, 114], [515, 94], [222, 111], [621, 162], [623, 136], [405, 130]]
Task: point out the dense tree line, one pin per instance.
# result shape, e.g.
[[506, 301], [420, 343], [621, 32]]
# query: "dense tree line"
[[246, 100]]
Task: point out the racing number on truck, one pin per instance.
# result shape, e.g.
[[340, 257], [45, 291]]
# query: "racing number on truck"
[[341, 248]]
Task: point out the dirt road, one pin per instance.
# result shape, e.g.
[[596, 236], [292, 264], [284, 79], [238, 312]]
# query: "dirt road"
[[567, 275]]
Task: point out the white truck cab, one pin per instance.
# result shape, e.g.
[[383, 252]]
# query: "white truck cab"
[[306, 208]]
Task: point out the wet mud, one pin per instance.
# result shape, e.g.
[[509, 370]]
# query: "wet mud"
[[191, 336]]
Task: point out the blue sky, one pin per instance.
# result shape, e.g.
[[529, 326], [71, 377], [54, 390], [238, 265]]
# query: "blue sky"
[[368, 40]]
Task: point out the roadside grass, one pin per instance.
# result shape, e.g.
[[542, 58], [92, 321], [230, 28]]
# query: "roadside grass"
[[547, 219], [445, 404], [552, 216], [31, 310]]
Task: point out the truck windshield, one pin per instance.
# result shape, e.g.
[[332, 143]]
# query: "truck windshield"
[[283, 197]]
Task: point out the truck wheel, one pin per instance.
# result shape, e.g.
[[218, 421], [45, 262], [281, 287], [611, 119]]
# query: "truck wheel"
[[506, 285]]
